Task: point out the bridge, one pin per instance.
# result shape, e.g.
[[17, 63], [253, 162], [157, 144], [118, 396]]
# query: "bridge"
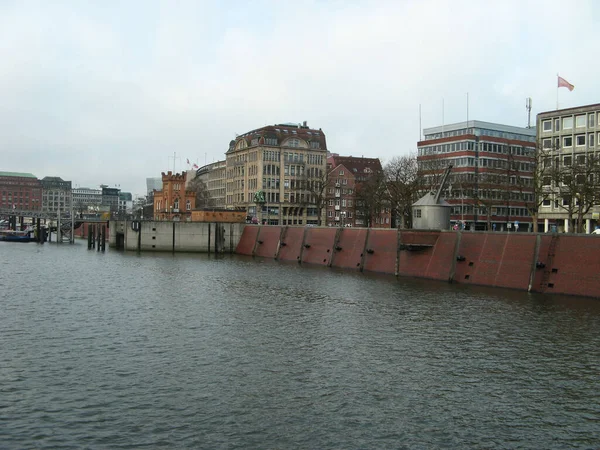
[[48, 215]]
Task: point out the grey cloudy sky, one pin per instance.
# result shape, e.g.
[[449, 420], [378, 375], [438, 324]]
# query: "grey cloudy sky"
[[105, 91]]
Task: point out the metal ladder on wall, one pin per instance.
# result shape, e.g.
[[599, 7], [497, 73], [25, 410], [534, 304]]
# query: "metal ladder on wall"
[[549, 261]]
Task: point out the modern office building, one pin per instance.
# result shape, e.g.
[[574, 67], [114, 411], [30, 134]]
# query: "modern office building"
[[272, 171], [491, 179], [56, 194], [214, 176], [125, 203], [21, 191], [83, 198], [110, 198], [345, 175], [153, 184], [570, 136]]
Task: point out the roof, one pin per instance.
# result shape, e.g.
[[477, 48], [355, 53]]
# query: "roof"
[[429, 200], [574, 109], [355, 164], [479, 124], [17, 174], [282, 132]]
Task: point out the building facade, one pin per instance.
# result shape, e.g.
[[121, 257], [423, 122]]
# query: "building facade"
[[345, 206], [125, 203], [110, 198], [274, 173], [56, 194], [214, 177], [20, 191], [490, 185], [174, 202], [86, 198], [570, 138]]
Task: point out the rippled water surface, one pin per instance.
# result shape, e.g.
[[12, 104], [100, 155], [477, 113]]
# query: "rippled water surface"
[[118, 350]]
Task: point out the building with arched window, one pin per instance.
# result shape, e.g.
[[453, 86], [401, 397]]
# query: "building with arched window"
[[174, 202], [277, 174]]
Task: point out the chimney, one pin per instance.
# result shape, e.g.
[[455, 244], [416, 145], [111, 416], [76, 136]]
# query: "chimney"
[[304, 124]]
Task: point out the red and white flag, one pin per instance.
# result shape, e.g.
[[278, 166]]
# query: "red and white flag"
[[564, 83], [195, 166]]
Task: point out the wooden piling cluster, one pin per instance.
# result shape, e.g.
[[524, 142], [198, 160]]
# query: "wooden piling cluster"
[[97, 237]]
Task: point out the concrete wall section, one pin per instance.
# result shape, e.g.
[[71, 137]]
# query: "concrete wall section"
[[318, 245], [381, 251], [349, 248], [194, 237], [291, 244], [247, 240], [268, 241]]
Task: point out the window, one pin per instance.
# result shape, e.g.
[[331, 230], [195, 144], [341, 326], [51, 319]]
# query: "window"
[[547, 143], [580, 140], [314, 144], [580, 159], [591, 120], [546, 202], [417, 213], [568, 141], [567, 160], [556, 124], [293, 143], [341, 172], [567, 123], [591, 140], [547, 125], [271, 141], [580, 121], [188, 205]]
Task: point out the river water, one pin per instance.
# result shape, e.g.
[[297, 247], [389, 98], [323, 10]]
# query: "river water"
[[119, 350]]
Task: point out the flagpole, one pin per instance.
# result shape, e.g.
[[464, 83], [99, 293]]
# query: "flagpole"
[[557, 91]]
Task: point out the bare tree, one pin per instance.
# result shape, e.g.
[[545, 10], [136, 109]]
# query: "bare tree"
[[371, 197], [578, 186], [404, 182], [201, 191], [315, 184]]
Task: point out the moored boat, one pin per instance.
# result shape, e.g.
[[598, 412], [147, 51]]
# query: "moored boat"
[[16, 236]]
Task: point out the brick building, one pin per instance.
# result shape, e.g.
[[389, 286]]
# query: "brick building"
[[174, 202], [345, 176], [492, 172], [20, 191]]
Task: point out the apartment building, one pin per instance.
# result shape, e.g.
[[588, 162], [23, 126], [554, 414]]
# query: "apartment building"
[[570, 136], [274, 173], [491, 183], [344, 204]]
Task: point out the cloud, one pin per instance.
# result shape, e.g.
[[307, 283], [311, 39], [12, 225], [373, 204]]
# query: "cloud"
[[105, 93]]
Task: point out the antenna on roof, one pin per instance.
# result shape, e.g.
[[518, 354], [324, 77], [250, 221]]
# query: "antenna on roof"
[[528, 108]]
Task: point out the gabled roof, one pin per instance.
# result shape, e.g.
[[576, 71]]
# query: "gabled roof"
[[357, 165]]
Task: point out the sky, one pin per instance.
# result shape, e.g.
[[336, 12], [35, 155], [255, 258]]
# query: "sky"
[[112, 92]]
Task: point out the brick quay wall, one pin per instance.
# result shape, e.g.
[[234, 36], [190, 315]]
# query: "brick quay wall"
[[546, 263]]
